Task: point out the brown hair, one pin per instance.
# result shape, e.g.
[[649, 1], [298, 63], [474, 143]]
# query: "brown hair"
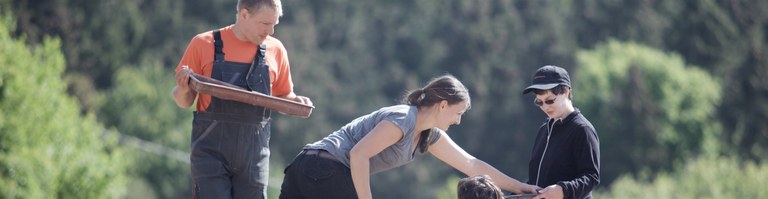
[[557, 90], [445, 87], [478, 187]]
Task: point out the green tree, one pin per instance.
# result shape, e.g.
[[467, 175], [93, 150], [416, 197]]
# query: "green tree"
[[140, 105], [733, 42], [119, 55], [650, 109], [103, 36], [47, 148], [705, 177], [450, 188], [100, 37], [724, 37]]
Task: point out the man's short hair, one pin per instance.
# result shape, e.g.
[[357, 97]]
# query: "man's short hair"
[[254, 5]]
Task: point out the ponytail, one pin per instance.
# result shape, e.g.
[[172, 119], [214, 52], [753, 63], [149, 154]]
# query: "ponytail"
[[441, 88], [415, 97]]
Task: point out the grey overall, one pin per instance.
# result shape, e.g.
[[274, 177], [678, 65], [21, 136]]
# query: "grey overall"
[[230, 140]]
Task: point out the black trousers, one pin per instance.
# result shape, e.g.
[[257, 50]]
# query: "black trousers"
[[312, 176]]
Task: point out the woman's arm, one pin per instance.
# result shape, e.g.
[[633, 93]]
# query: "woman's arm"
[[382, 136], [450, 153]]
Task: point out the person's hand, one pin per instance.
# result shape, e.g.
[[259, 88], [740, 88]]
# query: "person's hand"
[[527, 188], [551, 192], [303, 100], [182, 78]]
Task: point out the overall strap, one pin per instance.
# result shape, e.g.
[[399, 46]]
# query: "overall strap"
[[261, 54], [259, 72], [218, 45]]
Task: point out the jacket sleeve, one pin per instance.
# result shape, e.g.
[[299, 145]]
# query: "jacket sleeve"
[[587, 154]]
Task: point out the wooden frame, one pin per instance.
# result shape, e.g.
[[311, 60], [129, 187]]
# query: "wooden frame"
[[226, 91]]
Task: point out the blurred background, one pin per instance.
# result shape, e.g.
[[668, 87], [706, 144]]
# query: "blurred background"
[[677, 90]]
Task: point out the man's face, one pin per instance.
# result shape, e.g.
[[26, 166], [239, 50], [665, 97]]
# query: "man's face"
[[256, 25], [553, 105]]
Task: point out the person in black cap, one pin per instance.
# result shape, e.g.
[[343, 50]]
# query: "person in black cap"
[[566, 152]]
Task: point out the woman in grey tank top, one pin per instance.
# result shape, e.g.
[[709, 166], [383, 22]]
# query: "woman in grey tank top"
[[339, 165]]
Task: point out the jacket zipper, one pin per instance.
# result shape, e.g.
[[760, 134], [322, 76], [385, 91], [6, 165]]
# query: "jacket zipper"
[[549, 133]]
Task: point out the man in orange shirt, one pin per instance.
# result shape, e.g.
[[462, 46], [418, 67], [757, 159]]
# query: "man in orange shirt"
[[230, 140]]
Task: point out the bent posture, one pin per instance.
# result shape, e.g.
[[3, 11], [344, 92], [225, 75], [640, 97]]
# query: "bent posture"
[[339, 165]]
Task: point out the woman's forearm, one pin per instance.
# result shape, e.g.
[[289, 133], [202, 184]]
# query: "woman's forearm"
[[503, 181], [360, 169]]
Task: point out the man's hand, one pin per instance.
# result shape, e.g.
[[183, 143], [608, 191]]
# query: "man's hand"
[[182, 94], [303, 100], [551, 192], [182, 79]]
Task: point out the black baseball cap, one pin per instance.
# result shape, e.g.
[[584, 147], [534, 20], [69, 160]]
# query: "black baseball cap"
[[548, 77]]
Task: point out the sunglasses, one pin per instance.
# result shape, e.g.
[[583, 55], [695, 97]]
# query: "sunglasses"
[[541, 103]]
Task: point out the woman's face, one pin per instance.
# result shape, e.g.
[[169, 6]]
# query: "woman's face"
[[552, 105], [450, 114]]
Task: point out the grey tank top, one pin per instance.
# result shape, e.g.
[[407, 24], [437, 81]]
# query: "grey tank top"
[[339, 143]]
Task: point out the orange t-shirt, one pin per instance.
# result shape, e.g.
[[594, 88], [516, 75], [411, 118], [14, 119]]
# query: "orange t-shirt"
[[199, 58]]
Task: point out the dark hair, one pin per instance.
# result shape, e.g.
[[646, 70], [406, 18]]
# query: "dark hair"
[[445, 87], [478, 187], [557, 90], [254, 5], [440, 88]]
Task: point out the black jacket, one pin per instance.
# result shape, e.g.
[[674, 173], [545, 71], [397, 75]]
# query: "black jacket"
[[571, 156]]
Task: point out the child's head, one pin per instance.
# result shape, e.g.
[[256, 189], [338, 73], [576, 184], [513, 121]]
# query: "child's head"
[[478, 187]]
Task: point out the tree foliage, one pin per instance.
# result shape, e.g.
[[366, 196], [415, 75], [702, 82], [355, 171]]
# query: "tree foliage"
[[102, 36], [650, 108], [705, 177], [727, 38], [47, 149], [141, 96]]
